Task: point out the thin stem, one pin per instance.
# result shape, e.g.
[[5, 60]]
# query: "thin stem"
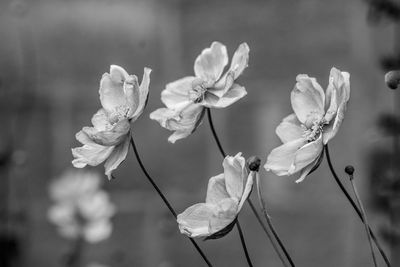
[[243, 243], [214, 133], [364, 215], [271, 226], [164, 198], [385, 258]]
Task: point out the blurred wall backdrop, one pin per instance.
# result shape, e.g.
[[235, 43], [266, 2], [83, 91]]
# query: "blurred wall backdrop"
[[52, 56]]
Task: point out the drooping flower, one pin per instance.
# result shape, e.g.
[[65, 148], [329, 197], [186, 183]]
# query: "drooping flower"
[[187, 98], [123, 101], [316, 119], [81, 208], [226, 194]]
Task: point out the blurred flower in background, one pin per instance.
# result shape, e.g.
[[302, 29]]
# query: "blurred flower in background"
[[81, 208]]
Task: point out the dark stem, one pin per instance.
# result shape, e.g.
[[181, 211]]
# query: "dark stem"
[[364, 215], [164, 198], [385, 258], [243, 243], [75, 257], [271, 226], [214, 133]]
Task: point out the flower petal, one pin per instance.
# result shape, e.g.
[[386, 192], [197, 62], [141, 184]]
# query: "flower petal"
[[308, 169], [110, 137], [281, 158], [235, 174], [90, 154], [240, 60], [112, 94], [307, 99], [306, 155], [183, 123], [176, 94], [338, 91], [195, 220], [210, 64], [216, 190], [118, 74], [101, 121], [247, 189], [143, 94], [116, 157], [289, 129], [235, 93]]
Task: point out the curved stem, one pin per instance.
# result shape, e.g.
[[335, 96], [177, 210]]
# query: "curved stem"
[[271, 226], [164, 198], [364, 215], [214, 133], [243, 243], [385, 258]]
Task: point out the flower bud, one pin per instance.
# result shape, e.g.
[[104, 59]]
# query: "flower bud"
[[392, 79], [349, 170], [254, 163]]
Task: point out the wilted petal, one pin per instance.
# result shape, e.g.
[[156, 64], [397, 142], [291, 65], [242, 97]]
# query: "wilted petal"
[[235, 93], [110, 137], [308, 100], [281, 158], [289, 129], [112, 94], [143, 94], [116, 157], [210, 64], [90, 154], [306, 155], [216, 190], [176, 94], [235, 174], [195, 220]]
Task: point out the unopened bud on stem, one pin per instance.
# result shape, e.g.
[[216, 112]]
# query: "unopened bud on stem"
[[392, 79], [254, 163], [349, 170]]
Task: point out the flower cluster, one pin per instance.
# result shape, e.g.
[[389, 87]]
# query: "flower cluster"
[[123, 101], [81, 208]]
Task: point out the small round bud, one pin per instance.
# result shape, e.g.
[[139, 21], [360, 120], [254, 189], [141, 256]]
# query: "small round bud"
[[392, 79], [254, 163], [349, 170]]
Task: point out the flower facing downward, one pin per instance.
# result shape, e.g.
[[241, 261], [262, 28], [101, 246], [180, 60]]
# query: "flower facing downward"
[[316, 119], [186, 98], [226, 194], [123, 101], [81, 208]]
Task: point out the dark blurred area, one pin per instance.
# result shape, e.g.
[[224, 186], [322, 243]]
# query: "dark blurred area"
[[52, 56]]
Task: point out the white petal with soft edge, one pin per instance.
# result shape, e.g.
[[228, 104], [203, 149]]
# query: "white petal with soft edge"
[[216, 190], [143, 93], [235, 174], [112, 94], [118, 74], [247, 189], [308, 100], [195, 220], [110, 137], [90, 154], [281, 158], [176, 94], [210, 64], [117, 156], [306, 155], [289, 129], [235, 93]]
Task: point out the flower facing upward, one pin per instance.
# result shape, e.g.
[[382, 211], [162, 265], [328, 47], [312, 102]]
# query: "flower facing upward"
[[226, 194], [316, 119], [187, 98], [81, 208], [123, 101]]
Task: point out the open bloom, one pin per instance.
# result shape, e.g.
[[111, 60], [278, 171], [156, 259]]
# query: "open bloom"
[[316, 119], [226, 194], [187, 98], [81, 209], [123, 101]]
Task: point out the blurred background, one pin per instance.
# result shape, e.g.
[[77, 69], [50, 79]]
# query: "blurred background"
[[52, 56]]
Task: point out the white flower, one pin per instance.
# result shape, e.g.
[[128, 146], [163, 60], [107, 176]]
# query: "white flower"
[[316, 119], [226, 194], [81, 208], [187, 98], [123, 101]]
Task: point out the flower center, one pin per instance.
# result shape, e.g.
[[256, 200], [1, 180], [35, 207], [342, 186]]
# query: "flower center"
[[316, 129], [199, 88], [120, 112]]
